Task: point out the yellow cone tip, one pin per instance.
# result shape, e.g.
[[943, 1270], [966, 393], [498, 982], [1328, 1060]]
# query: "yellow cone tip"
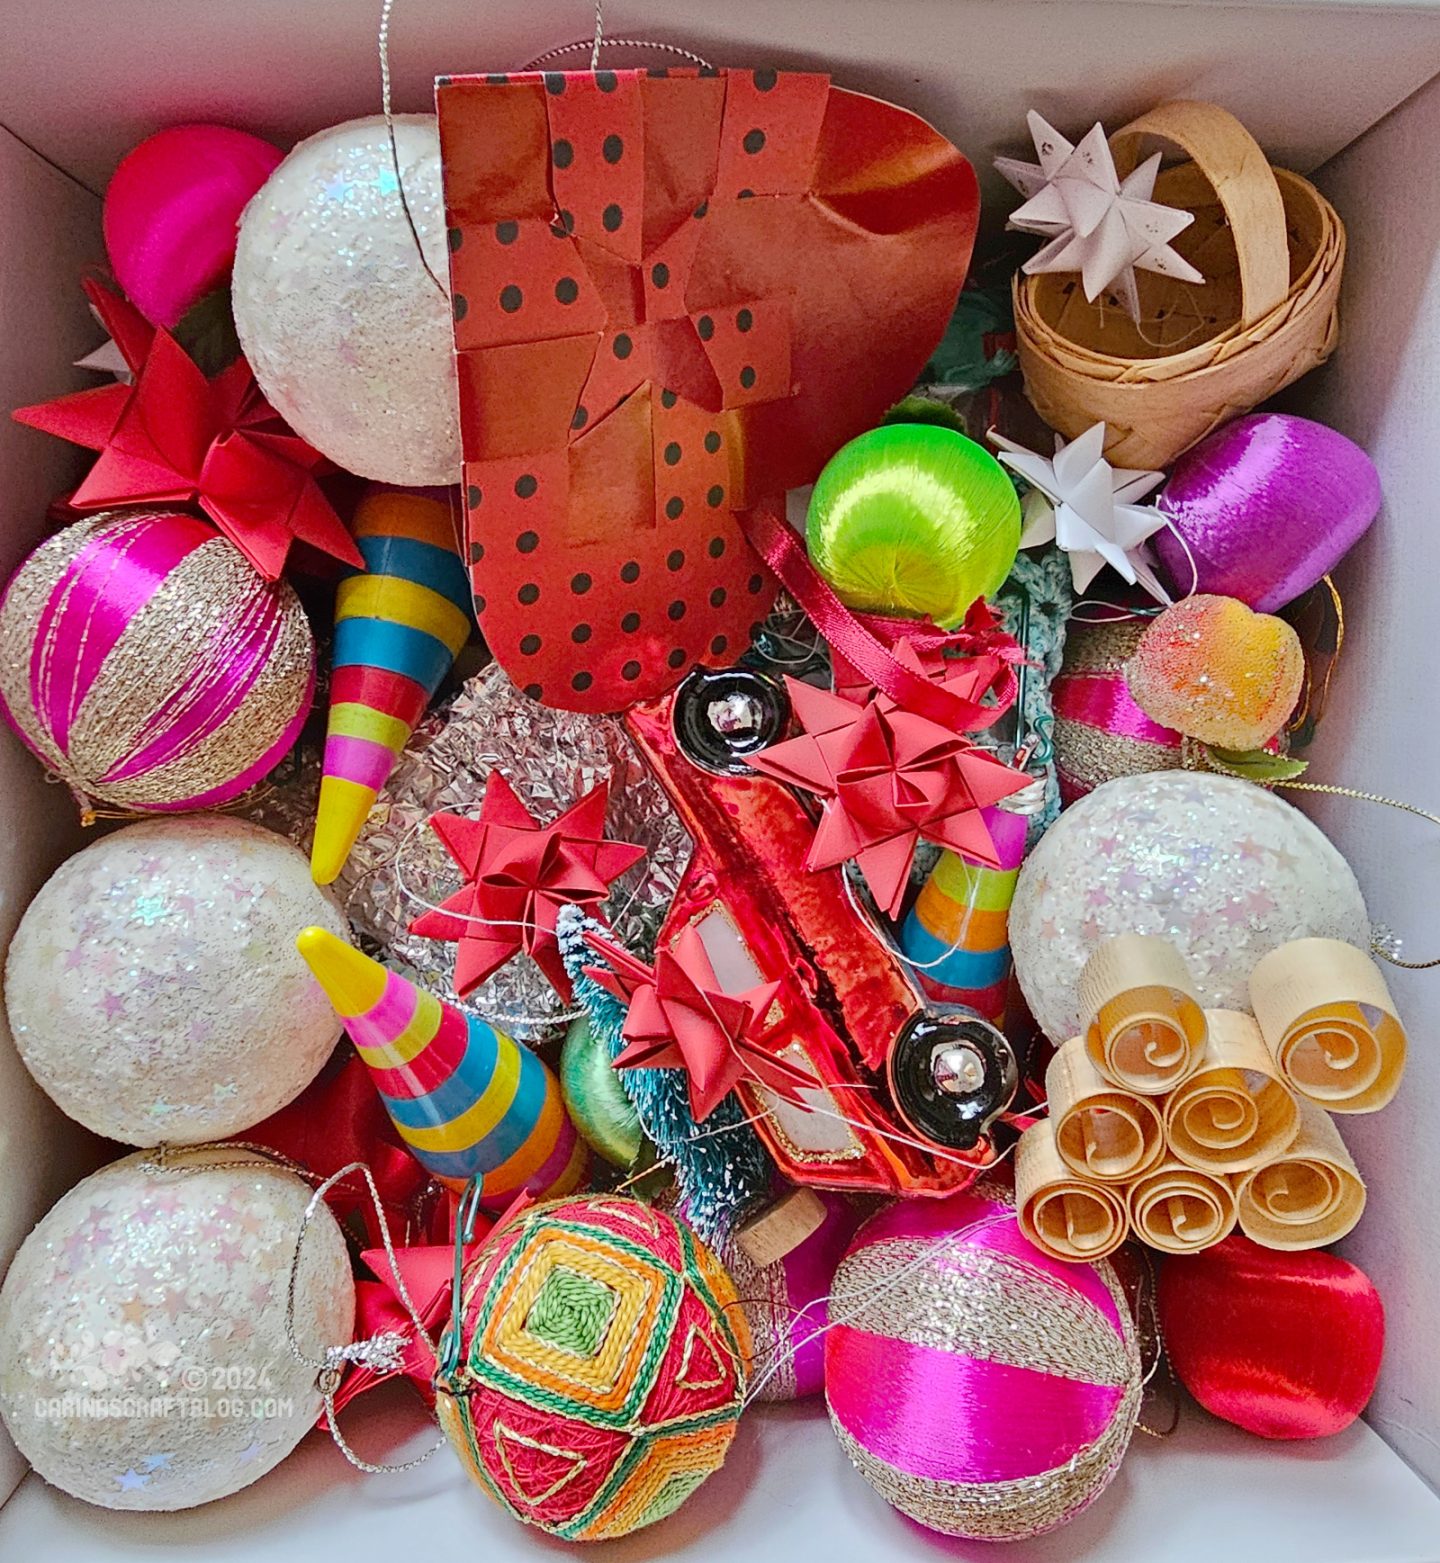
[[340, 817], [352, 981]]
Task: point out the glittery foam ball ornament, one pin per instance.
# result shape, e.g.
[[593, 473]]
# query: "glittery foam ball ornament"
[[346, 330], [145, 663], [600, 1369], [979, 1386], [144, 1362], [1220, 867], [154, 988]]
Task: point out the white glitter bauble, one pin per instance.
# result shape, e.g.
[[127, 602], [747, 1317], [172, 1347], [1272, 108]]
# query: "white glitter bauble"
[[154, 987], [1220, 867], [348, 335], [144, 1361]]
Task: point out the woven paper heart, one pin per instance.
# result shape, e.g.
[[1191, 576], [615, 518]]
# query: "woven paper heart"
[[676, 294]]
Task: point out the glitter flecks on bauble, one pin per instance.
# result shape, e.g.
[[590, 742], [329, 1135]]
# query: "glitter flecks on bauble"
[[1222, 868], [347, 331], [154, 988], [144, 1361]]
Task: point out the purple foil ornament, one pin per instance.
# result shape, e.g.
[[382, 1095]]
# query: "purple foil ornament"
[[1268, 504]]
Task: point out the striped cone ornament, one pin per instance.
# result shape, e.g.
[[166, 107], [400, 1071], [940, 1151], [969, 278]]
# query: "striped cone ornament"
[[399, 625], [467, 1100], [958, 931]]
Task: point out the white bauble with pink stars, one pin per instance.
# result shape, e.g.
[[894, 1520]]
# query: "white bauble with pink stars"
[[145, 1361], [1220, 867], [154, 988]]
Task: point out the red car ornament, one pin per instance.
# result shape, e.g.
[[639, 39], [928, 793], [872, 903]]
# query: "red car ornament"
[[904, 1098]]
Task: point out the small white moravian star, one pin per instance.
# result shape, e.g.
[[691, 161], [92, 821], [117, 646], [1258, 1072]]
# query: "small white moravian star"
[[1087, 507], [1098, 224]]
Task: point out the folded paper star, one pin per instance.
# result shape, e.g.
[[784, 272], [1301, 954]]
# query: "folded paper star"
[[174, 436], [1098, 224], [518, 875], [889, 778], [680, 1018], [1086, 506]]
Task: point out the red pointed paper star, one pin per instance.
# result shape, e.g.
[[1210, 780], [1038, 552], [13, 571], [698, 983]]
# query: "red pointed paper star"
[[174, 436], [680, 1018], [519, 874], [889, 777]]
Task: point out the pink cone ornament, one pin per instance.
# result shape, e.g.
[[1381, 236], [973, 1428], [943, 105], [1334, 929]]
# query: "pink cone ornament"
[[172, 210], [146, 664], [399, 624]]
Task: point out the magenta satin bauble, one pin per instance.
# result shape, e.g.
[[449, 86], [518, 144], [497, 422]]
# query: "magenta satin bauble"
[[172, 210], [1266, 505]]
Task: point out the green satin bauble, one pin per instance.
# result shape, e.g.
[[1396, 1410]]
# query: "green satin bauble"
[[913, 518], [596, 1100]]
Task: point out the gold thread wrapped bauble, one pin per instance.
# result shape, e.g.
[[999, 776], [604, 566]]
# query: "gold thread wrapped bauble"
[[145, 662]]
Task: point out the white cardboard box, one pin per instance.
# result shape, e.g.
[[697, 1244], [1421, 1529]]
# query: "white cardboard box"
[[1338, 88]]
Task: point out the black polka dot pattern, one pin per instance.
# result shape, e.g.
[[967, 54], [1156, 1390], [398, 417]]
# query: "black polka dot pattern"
[[571, 615]]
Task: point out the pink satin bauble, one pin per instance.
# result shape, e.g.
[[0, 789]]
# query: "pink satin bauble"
[[171, 212], [1265, 506]]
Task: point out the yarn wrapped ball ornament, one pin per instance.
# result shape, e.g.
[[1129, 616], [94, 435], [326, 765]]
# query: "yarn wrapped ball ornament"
[[981, 1387], [145, 663], [675, 295], [595, 1369]]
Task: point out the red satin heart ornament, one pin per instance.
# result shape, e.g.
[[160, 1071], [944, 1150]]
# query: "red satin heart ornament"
[[1285, 1345]]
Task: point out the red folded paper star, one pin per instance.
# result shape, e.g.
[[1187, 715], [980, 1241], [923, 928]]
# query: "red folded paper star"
[[890, 777], [680, 1018], [174, 436], [519, 874]]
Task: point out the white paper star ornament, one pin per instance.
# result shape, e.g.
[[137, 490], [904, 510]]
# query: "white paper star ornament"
[[1097, 224], [1087, 507]]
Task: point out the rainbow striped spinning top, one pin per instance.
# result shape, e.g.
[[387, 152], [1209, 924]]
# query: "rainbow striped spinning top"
[[399, 625], [467, 1100]]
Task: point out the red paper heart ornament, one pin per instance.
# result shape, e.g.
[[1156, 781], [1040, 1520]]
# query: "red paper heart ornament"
[[676, 294], [1285, 1345]]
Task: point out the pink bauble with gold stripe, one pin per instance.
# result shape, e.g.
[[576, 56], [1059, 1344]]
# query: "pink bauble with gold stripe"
[[147, 665], [981, 1387]]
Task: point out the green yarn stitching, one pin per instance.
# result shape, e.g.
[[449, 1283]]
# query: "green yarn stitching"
[[572, 1313]]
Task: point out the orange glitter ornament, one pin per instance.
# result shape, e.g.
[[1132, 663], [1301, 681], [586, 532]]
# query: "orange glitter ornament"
[[1215, 670]]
